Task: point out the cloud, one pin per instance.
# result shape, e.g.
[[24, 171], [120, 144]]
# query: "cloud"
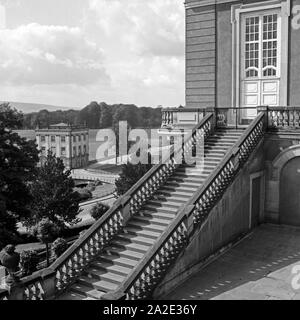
[[39, 54], [129, 51], [146, 27]]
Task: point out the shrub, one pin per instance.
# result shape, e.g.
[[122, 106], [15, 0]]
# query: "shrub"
[[59, 246], [29, 260], [46, 231], [84, 194], [98, 210]]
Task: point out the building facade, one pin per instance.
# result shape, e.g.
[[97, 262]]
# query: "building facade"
[[241, 55], [68, 142]]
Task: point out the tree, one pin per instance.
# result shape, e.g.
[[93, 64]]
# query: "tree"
[[59, 246], [131, 173], [98, 210], [18, 159], [105, 120], [29, 260], [46, 231], [53, 194]]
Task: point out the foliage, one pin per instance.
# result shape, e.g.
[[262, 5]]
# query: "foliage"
[[46, 230], [98, 210], [97, 115], [18, 158], [130, 175], [83, 193], [59, 246], [53, 195], [29, 260]]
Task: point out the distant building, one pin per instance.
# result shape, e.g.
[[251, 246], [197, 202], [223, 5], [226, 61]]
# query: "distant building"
[[68, 142]]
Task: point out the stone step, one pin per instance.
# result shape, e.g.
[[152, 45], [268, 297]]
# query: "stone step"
[[136, 223], [96, 275], [205, 168], [143, 233], [175, 191], [192, 175], [182, 188], [160, 215], [219, 143], [133, 238], [103, 285], [214, 154], [196, 172], [216, 149], [70, 295], [233, 135], [186, 179], [113, 259], [102, 267], [152, 220], [87, 291], [168, 203], [183, 183], [124, 253], [165, 198], [166, 209], [130, 245]]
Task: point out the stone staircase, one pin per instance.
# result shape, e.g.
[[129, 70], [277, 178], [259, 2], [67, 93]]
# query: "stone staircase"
[[118, 260]]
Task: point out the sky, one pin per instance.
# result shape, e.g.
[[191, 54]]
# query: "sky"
[[71, 52]]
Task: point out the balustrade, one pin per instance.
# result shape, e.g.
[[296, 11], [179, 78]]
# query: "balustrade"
[[284, 117]]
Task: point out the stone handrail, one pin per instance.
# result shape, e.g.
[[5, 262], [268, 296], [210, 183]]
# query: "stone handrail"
[[190, 216], [51, 281]]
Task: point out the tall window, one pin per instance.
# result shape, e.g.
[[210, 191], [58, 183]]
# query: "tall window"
[[63, 138], [43, 139], [79, 150], [261, 46], [74, 151], [63, 151], [52, 138]]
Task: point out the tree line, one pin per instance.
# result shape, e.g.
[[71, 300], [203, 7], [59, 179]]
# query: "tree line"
[[97, 116]]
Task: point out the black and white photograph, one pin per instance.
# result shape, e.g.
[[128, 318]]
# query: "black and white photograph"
[[149, 151]]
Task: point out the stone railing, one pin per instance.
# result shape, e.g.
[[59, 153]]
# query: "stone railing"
[[283, 118], [152, 268], [53, 280], [182, 116]]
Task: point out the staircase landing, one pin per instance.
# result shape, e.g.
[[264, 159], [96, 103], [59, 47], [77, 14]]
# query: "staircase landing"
[[258, 268]]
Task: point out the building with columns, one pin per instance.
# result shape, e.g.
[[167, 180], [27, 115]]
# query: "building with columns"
[[68, 142]]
